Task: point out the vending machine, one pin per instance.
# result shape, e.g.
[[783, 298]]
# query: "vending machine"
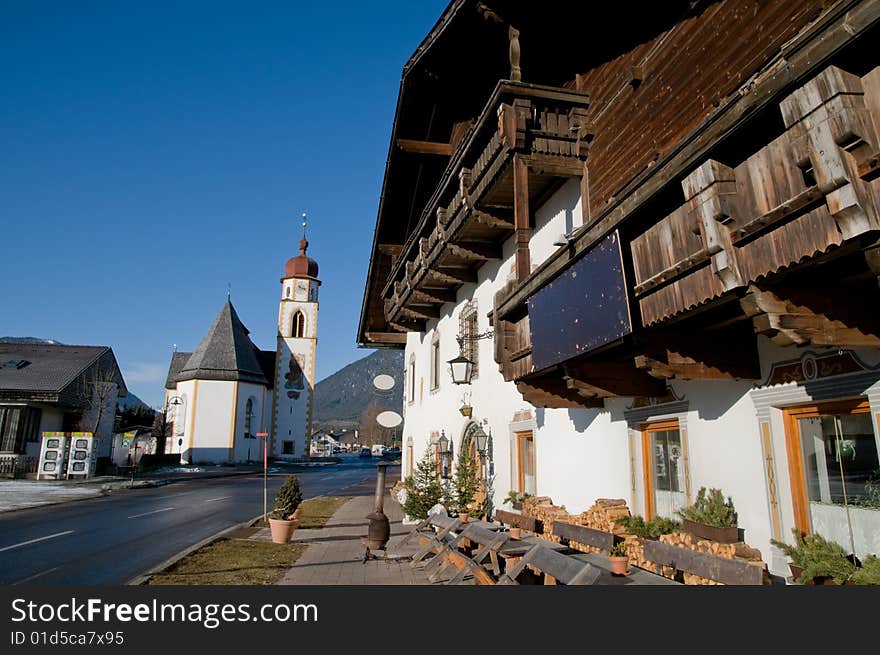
[[53, 456], [82, 456]]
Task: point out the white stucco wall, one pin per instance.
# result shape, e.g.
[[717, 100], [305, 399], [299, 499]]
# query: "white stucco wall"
[[208, 435]]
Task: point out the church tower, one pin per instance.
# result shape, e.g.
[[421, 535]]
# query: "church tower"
[[295, 359]]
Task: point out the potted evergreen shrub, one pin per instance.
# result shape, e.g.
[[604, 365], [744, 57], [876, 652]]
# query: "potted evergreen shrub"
[[815, 560], [711, 517], [284, 518], [638, 526], [618, 558]]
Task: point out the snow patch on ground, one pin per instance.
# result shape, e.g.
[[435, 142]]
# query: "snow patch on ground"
[[19, 494]]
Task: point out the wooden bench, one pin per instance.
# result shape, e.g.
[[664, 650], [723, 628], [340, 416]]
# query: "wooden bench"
[[556, 567], [529, 523], [440, 533], [719, 569], [488, 543], [569, 532]]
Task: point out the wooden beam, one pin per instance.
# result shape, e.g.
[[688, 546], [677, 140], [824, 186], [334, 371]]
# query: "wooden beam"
[[386, 337], [408, 325], [492, 220], [454, 275], [818, 316], [425, 147], [693, 353], [606, 379], [555, 165], [434, 295], [522, 217], [476, 250], [421, 311]]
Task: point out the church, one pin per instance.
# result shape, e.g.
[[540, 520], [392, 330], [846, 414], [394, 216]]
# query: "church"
[[228, 391]]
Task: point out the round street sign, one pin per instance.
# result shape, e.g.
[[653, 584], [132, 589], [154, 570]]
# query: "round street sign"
[[389, 419], [383, 384]]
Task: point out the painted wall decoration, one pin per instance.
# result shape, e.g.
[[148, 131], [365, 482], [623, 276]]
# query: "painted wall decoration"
[[294, 377]]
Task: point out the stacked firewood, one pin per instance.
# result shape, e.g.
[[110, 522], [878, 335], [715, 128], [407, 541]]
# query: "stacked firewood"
[[603, 515], [543, 509]]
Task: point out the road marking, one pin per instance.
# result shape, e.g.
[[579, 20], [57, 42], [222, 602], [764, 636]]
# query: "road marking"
[[155, 511], [37, 575], [211, 500], [33, 541]]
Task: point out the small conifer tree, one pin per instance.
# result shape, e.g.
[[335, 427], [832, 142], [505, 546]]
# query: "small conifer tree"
[[423, 488]]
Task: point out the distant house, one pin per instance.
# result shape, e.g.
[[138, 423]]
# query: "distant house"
[[53, 388]]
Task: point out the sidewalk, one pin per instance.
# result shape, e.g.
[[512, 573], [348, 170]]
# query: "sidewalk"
[[335, 553]]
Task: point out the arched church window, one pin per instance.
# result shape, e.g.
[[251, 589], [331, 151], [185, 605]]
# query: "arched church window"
[[248, 417], [299, 325]]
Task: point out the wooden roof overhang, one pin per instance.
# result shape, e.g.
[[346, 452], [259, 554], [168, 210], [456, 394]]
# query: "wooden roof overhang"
[[793, 255], [443, 89]]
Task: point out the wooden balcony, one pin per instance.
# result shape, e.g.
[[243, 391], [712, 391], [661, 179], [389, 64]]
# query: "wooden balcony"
[[785, 243], [804, 194], [528, 140]]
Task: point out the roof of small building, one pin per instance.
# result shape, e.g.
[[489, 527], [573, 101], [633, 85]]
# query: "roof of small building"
[[52, 368], [178, 360], [225, 353]]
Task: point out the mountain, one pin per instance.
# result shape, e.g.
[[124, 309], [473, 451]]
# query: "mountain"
[[29, 340], [132, 402], [341, 398]]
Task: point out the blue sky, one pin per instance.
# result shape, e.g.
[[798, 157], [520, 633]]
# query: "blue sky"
[[151, 153]]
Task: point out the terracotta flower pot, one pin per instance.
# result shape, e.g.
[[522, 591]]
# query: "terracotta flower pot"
[[516, 533], [463, 517], [618, 565], [282, 531]]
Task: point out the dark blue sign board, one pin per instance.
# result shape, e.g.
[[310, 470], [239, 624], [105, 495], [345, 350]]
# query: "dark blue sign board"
[[583, 308]]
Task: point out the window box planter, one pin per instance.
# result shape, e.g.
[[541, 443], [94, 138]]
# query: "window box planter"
[[729, 535]]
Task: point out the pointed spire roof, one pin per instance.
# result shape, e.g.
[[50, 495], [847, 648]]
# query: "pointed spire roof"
[[226, 353]]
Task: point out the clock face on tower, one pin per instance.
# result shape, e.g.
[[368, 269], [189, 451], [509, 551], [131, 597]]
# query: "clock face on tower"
[[302, 289], [313, 292]]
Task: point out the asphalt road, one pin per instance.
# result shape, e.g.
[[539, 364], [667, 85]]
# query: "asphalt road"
[[112, 539]]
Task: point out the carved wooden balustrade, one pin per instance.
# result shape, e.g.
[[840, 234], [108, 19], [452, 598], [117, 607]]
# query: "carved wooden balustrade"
[[528, 140]]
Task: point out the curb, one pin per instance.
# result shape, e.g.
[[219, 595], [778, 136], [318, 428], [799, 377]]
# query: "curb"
[[145, 577]]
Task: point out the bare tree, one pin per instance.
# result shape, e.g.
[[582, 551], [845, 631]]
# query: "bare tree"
[[98, 386], [370, 431]]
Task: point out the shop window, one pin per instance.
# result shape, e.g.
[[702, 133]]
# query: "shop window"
[[665, 469], [835, 473]]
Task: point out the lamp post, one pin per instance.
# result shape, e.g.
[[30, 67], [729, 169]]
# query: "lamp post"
[[445, 454], [264, 437]]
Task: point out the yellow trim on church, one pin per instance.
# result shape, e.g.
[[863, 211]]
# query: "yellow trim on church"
[[232, 423], [192, 418]]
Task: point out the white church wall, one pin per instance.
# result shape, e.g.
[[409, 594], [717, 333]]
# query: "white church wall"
[[209, 439]]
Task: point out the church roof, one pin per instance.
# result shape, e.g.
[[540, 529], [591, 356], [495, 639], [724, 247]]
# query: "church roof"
[[226, 353], [178, 361]]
